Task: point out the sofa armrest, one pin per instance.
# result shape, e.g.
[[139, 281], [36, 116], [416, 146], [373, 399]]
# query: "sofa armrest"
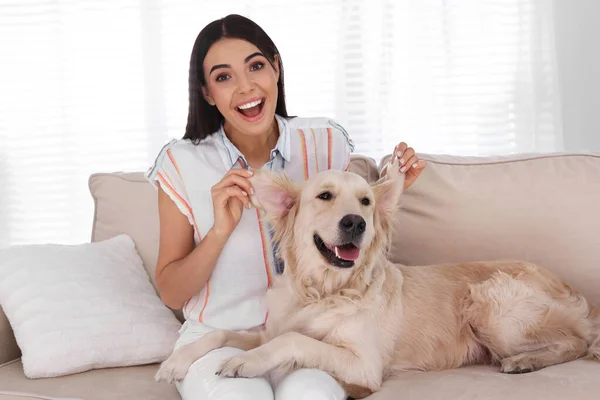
[[8, 345]]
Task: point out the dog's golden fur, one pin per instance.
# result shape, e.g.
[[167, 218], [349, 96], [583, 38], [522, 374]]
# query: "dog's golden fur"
[[366, 323]]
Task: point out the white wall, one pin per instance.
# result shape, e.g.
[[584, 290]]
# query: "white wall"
[[578, 46]]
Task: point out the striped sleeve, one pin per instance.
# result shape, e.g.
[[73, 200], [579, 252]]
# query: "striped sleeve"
[[341, 146], [166, 174]]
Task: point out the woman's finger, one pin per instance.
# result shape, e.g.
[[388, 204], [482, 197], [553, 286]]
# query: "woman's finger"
[[412, 162], [242, 182], [398, 150], [222, 195], [235, 180], [408, 153]]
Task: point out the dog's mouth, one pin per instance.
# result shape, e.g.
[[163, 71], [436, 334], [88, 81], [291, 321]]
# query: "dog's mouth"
[[342, 256]]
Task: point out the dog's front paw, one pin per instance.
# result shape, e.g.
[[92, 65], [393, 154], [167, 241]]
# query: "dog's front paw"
[[242, 366], [173, 368], [518, 364]]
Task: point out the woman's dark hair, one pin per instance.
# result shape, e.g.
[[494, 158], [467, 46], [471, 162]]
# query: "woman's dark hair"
[[204, 119]]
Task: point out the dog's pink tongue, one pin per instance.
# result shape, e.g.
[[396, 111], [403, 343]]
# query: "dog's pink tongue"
[[348, 254]]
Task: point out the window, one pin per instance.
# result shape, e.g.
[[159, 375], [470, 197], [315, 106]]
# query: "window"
[[100, 86]]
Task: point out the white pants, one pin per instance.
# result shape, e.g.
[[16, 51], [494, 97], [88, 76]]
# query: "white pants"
[[201, 383]]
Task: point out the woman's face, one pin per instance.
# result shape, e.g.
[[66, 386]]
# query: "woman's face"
[[242, 84]]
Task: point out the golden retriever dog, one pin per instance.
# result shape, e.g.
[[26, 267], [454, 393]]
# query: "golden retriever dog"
[[342, 307]]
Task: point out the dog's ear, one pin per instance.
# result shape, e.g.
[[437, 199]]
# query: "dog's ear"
[[389, 190], [274, 193]]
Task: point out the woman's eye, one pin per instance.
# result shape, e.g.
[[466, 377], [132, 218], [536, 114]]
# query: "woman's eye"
[[325, 196], [256, 66], [222, 77], [365, 201]]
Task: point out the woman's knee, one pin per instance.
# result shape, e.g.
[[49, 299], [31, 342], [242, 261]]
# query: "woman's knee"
[[201, 382], [309, 384]]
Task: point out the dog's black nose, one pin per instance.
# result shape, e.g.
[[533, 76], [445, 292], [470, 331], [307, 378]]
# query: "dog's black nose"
[[353, 224]]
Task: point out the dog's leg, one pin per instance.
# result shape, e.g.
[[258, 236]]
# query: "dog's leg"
[[569, 349], [594, 349], [176, 366], [293, 350], [525, 323]]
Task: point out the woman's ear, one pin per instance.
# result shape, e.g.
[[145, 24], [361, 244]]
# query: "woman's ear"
[[207, 96]]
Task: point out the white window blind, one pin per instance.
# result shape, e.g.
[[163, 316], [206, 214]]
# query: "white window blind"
[[100, 86]]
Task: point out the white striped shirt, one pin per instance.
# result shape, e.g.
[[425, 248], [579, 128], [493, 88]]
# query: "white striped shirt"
[[233, 298]]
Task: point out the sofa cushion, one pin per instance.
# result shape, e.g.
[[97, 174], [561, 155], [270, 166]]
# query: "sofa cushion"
[[365, 167], [102, 384], [83, 306], [127, 203], [540, 208]]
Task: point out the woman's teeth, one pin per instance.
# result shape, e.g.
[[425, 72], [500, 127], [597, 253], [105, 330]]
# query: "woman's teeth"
[[250, 105]]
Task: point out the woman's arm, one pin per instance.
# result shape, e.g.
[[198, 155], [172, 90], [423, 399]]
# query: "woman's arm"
[[181, 269]]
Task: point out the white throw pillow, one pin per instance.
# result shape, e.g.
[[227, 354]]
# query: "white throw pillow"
[[74, 308]]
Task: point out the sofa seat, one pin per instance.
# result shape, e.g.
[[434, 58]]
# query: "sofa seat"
[[103, 384], [573, 380]]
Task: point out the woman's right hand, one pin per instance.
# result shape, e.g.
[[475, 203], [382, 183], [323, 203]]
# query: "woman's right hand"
[[229, 197]]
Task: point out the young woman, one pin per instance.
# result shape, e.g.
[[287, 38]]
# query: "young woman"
[[215, 259]]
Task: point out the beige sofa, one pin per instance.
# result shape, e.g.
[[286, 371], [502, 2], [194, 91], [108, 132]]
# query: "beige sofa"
[[544, 209]]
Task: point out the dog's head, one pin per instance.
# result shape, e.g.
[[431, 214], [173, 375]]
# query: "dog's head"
[[332, 225]]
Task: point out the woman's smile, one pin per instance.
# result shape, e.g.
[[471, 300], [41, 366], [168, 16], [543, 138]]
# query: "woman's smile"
[[252, 110]]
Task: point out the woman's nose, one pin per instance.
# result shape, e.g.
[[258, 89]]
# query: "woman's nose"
[[245, 84]]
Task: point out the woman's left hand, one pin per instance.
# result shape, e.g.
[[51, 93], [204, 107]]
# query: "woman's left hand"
[[409, 163]]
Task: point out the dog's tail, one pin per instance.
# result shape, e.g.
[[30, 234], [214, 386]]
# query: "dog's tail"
[[594, 349]]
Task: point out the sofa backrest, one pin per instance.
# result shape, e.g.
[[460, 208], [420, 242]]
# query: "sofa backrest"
[[539, 208]]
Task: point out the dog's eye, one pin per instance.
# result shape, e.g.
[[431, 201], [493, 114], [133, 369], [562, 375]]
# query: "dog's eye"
[[365, 201], [325, 196]]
